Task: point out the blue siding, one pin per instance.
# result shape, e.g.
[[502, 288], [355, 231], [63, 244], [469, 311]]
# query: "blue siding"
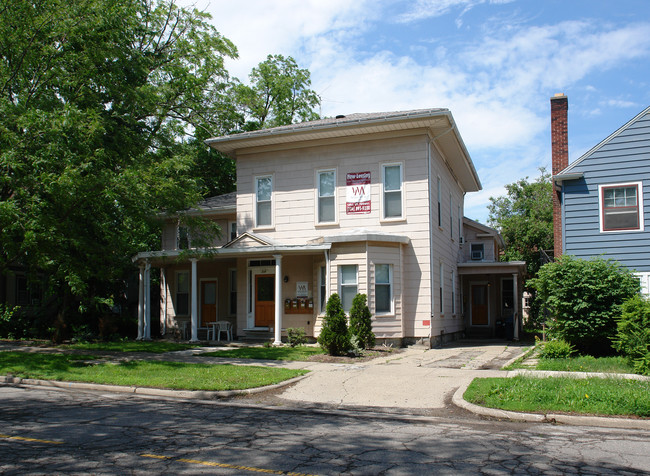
[[625, 157]]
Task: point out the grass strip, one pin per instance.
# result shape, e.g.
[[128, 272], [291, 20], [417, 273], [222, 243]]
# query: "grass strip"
[[587, 363], [131, 346], [139, 373], [268, 353], [594, 396]]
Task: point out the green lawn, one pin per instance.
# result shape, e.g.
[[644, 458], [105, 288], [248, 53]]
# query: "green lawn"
[[131, 346], [587, 363], [269, 353], [174, 375], [589, 396]]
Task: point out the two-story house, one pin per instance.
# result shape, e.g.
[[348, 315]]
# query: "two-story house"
[[599, 201], [365, 203]]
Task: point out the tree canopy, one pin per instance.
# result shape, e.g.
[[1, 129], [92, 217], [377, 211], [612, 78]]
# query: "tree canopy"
[[104, 106], [524, 217]]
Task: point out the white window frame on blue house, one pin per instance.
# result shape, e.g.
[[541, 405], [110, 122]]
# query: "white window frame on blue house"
[[639, 206]]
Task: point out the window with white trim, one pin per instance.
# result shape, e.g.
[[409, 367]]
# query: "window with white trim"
[[264, 201], [477, 251], [453, 292], [232, 230], [383, 289], [621, 207], [182, 293], [182, 238], [442, 287], [326, 196], [451, 217], [392, 179], [348, 285], [322, 288]]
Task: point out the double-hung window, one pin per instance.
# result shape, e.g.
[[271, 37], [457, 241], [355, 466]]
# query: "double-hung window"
[[348, 285], [383, 289], [477, 251], [322, 287], [327, 196], [232, 301], [263, 201], [392, 178], [442, 287], [621, 207], [182, 293], [439, 203], [453, 292], [182, 238]]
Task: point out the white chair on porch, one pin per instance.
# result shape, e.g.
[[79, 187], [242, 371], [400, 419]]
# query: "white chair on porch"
[[224, 326]]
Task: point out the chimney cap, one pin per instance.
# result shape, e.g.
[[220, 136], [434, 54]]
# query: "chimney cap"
[[558, 96]]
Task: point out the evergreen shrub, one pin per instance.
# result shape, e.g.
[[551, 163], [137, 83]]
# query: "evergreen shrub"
[[334, 337]]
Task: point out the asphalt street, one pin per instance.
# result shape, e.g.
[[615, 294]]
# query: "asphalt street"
[[46, 431]]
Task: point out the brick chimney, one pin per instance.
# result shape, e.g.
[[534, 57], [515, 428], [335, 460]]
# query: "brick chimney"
[[560, 159]]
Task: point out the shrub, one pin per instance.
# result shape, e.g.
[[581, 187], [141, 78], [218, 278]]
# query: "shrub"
[[334, 337], [583, 298], [633, 333], [296, 336], [361, 322], [556, 349]]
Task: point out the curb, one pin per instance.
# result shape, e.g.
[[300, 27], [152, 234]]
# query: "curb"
[[148, 391], [578, 420]]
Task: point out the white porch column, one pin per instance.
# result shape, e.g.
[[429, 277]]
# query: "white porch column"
[[163, 298], [278, 300], [195, 302], [147, 302], [515, 306], [141, 303]]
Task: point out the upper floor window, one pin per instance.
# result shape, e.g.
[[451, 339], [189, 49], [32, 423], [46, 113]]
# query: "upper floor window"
[[263, 201], [182, 238], [451, 217], [232, 230], [477, 251], [392, 178], [621, 207], [383, 289], [327, 196], [348, 286]]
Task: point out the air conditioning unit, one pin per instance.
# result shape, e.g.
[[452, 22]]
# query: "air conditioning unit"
[[477, 255]]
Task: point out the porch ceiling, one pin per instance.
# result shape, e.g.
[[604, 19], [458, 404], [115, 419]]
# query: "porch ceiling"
[[506, 267]]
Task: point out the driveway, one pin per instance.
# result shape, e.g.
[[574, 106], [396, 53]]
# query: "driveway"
[[415, 378]]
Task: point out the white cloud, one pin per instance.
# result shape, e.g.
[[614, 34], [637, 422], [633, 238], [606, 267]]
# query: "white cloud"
[[424, 9]]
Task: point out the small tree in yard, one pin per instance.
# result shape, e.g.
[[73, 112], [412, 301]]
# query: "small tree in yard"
[[633, 333], [584, 297], [361, 322], [334, 337]]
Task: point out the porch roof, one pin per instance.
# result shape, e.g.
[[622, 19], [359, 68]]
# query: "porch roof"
[[363, 234], [221, 252], [496, 267]]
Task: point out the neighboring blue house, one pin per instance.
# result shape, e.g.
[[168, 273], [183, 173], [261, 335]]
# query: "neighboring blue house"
[[604, 195]]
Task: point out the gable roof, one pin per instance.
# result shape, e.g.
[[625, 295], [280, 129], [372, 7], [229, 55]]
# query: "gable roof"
[[487, 232], [438, 122], [569, 172]]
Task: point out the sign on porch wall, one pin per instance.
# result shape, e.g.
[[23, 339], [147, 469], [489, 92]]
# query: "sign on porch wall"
[[357, 193], [302, 289]]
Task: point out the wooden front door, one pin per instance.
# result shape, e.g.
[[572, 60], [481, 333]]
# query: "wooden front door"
[[208, 302], [479, 293], [264, 300]]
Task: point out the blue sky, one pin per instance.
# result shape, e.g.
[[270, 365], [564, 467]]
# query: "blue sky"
[[493, 63]]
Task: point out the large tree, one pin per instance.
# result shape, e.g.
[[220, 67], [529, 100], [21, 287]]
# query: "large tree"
[[524, 217], [279, 93], [97, 99]]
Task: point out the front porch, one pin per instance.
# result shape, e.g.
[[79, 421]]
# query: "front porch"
[[257, 287], [492, 295]]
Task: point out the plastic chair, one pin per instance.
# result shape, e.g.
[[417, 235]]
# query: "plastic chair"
[[224, 326]]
